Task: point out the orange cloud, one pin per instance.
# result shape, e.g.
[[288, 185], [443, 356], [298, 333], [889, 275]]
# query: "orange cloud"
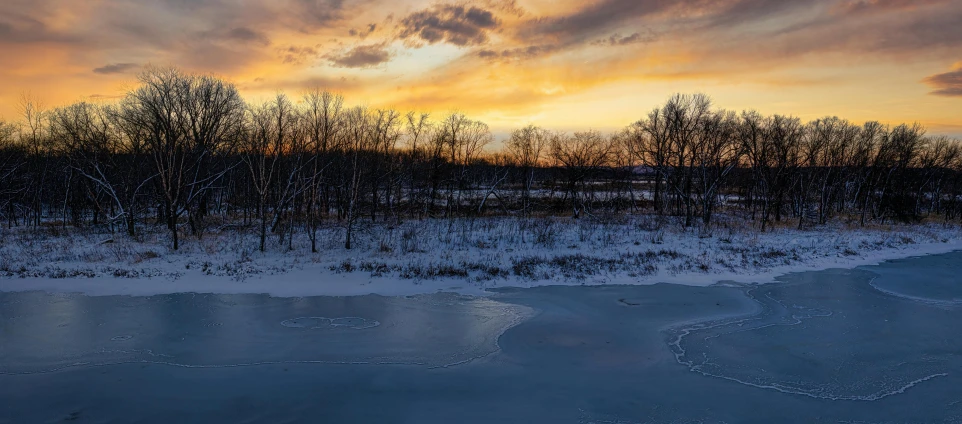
[[948, 83], [495, 58]]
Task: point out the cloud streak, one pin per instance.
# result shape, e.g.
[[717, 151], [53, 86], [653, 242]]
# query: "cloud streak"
[[619, 40], [247, 35], [364, 56], [947, 84], [115, 68]]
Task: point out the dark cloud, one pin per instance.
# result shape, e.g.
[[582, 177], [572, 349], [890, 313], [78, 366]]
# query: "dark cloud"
[[363, 33], [23, 27], [455, 24], [947, 84], [248, 35], [527, 52], [868, 6], [725, 33], [742, 13], [594, 18], [618, 40], [215, 57], [315, 13], [921, 33], [216, 35], [298, 54], [362, 56], [115, 68], [597, 19], [601, 17], [169, 23], [509, 7]]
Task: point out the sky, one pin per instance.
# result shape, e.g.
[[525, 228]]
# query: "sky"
[[562, 64]]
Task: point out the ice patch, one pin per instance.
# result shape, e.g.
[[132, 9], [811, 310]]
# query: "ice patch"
[[210, 331], [324, 323], [942, 303], [694, 346]]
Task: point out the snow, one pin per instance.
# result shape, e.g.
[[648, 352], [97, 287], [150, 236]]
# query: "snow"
[[462, 256], [297, 283]]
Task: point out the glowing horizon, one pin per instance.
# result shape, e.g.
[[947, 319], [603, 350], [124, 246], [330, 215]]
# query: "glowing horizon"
[[565, 64]]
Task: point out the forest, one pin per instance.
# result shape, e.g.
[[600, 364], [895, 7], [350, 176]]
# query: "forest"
[[184, 152]]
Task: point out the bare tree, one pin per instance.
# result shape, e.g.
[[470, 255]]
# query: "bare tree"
[[419, 127], [273, 128], [684, 114], [894, 156], [870, 136], [526, 148], [462, 140], [83, 134], [580, 156], [323, 120], [33, 135], [385, 133], [129, 150], [155, 108], [12, 160], [289, 166], [647, 143], [357, 136], [772, 150], [214, 114], [936, 163], [187, 119], [715, 158]]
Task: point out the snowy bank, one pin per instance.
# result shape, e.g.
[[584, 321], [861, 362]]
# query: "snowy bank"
[[463, 256]]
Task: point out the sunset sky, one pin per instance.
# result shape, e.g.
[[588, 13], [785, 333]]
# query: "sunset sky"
[[561, 64]]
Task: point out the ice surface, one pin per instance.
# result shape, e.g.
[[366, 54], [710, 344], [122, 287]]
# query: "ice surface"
[[831, 335], [938, 285], [49, 332], [324, 323], [819, 347]]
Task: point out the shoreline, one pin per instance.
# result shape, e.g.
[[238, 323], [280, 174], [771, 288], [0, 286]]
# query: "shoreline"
[[306, 281]]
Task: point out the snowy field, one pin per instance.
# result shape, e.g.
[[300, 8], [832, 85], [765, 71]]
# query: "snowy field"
[[465, 256]]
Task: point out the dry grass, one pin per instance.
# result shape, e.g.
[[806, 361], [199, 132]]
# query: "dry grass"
[[482, 249]]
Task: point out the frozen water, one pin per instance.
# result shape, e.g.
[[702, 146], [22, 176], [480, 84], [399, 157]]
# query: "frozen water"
[[877, 344], [937, 284], [53, 332], [323, 323], [837, 347]]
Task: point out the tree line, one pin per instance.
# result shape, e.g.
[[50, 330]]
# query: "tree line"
[[185, 151]]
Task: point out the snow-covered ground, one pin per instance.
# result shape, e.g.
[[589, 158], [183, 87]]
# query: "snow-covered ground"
[[466, 256]]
